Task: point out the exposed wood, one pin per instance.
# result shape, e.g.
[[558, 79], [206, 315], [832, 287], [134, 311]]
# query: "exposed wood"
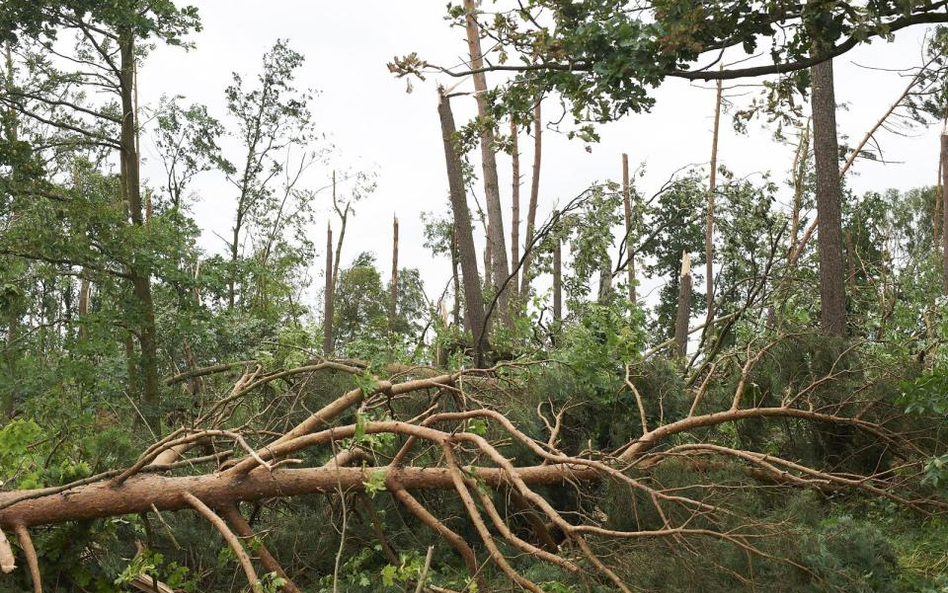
[[684, 307], [424, 571], [939, 189], [7, 559], [799, 173]]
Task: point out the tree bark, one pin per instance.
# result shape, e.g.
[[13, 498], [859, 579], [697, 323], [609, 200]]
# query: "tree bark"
[[499, 266], [828, 209], [684, 307], [939, 189], [712, 187], [944, 210], [627, 204], [525, 275], [11, 352], [605, 279], [851, 260], [328, 295], [131, 183], [393, 299], [514, 207], [456, 276], [218, 489], [557, 282], [467, 252]]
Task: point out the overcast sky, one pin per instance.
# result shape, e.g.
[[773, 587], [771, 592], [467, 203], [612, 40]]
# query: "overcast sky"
[[376, 125]]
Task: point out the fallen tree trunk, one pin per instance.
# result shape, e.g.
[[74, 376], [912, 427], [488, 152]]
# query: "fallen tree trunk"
[[140, 493], [469, 462]]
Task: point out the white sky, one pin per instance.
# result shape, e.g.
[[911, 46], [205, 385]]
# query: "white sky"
[[376, 125]]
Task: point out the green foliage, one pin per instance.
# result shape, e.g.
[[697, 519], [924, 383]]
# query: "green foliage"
[[151, 564], [604, 59], [927, 394], [375, 483]]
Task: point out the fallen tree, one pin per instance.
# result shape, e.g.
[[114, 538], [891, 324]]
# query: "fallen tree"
[[463, 445]]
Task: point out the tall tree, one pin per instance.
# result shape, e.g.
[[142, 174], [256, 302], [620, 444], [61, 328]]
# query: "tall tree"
[[944, 200], [627, 208], [110, 40], [393, 299], [495, 228], [712, 187], [272, 115], [525, 272], [514, 206], [328, 296], [830, 239], [474, 319]]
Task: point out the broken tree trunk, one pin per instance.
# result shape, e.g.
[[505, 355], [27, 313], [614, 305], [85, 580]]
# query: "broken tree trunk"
[[627, 204], [467, 252], [557, 282], [944, 210], [525, 273], [327, 304], [514, 208], [712, 187], [393, 299], [684, 306]]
